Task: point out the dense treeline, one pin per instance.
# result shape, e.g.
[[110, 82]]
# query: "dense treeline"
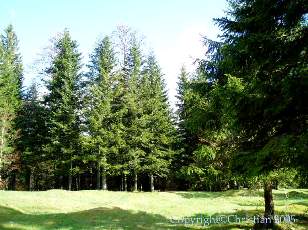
[[241, 116], [110, 125]]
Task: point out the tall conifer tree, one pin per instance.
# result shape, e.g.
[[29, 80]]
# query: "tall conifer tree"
[[99, 112], [10, 94], [32, 124], [265, 48], [63, 103], [159, 132], [134, 112]]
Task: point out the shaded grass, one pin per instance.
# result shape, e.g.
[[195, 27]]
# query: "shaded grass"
[[58, 209], [97, 218]]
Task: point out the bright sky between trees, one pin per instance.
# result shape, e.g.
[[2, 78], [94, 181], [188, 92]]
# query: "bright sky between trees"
[[173, 29]]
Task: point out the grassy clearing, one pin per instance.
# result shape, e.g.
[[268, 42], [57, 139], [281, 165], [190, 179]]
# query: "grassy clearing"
[[57, 209]]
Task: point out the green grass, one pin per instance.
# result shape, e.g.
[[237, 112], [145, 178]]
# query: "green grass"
[[57, 209]]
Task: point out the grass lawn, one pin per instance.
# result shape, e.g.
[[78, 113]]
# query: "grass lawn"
[[57, 209]]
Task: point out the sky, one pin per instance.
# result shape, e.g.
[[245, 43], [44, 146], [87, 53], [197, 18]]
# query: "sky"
[[172, 29]]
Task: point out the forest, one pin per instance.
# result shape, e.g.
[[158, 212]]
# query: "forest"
[[241, 118]]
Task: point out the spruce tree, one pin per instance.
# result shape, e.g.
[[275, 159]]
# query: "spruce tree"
[[187, 140], [32, 124], [206, 124], [99, 112], [134, 112], [158, 135], [118, 129], [265, 48], [63, 104], [124, 103], [10, 94], [184, 101]]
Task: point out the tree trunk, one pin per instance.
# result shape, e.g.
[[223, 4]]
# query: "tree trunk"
[[268, 199], [104, 181], [31, 180], [125, 183], [13, 180], [70, 176], [91, 181], [122, 183], [152, 182], [77, 184], [98, 177], [136, 182], [60, 181], [267, 222], [78, 181]]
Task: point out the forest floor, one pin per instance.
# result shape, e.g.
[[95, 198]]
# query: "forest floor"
[[234, 209]]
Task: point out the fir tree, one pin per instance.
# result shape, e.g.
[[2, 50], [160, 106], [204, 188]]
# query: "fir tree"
[[134, 112], [99, 112], [266, 49], [64, 105], [10, 94], [32, 138], [125, 108], [158, 135]]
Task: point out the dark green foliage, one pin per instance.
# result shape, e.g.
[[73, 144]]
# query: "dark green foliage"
[[32, 138], [128, 119], [125, 127], [267, 50], [99, 107], [257, 93], [247, 101], [63, 105], [159, 134], [132, 119], [241, 119], [205, 105], [10, 98]]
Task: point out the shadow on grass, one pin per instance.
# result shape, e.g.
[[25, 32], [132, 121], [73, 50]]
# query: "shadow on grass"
[[281, 195], [116, 218], [189, 195], [98, 218]]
